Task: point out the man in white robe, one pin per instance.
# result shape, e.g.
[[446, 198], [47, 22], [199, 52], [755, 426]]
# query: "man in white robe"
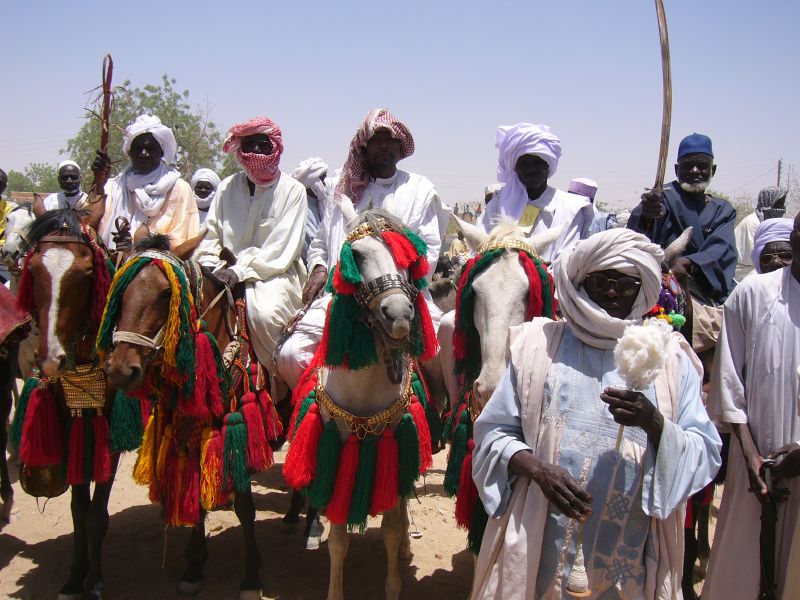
[[204, 187], [259, 214], [370, 179], [754, 391], [528, 156], [545, 459], [771, 204], [312, 172], [601, 220]]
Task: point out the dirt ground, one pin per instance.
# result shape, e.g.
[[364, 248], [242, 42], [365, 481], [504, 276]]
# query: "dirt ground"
[[142, 560]]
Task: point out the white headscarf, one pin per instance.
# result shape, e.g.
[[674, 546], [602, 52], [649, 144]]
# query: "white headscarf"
[[620, 249], [515, 141], [67, 163], [212, 178], [149, 189], [769, 230], [308, 172]]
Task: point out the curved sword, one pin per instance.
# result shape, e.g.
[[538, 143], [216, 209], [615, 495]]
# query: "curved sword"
[[666, 116]]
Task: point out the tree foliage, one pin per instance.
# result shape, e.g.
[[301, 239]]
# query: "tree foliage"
[[199, 141], [37, 177], [229, 166]]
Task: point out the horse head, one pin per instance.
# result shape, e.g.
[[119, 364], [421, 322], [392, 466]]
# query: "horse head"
[[499, 295], [63, 283]]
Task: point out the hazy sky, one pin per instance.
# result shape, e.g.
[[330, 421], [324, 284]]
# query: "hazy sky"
[[452, 71]]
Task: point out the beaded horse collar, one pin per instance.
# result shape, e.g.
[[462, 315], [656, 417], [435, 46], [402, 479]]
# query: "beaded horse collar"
[[508, 244]]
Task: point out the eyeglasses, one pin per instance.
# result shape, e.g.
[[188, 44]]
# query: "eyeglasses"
[[625, 285]]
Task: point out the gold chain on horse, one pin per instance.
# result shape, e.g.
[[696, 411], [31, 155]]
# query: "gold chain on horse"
[[364, 426], [367, 230], [512, 244]]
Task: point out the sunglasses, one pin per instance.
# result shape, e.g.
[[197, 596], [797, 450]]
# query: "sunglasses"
[[625, 285], [785, 256]]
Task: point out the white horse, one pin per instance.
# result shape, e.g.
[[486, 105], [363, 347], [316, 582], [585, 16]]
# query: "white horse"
[[386, 304]]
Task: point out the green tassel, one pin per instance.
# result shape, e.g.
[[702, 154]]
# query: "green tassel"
[[223, 374], [350, 341], [125, 424], [434, 423], [307, 402], [477, 527], [348, 266], [408, 443], [114, 303], [547, 291], [458, 450], [184, 353], [235, 452], [419, 244], [362, 491], [330, 446], [15, 434]]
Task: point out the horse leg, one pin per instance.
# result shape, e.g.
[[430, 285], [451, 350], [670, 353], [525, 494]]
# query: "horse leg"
[[392, 527], [338, 542], [250, 587], [405, 541], [196, 555], [314, 529], [295, 506], [703, 547], [96, 528], [79, 507], [7, 381]]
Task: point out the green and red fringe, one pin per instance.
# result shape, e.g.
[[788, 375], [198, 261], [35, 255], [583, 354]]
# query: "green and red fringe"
[[357, 478]]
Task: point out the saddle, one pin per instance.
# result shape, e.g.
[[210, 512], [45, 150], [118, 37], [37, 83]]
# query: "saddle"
[[14, 324]]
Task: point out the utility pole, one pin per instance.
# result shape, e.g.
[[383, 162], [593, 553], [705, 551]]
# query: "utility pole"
[[780, 165]]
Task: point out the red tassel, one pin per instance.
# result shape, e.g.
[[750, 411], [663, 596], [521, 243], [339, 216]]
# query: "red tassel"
[[171, 489], [403, 251], [467, 491], [190, 497], [77, 453], [42, 443], [301, 459], [206, 389], [424, 434], [308, 381], [387, 474], [25, 301], [430, 344], [339, 506], [272, 423], [259, 454], [420, 268], [101, 461], [341, 285], [535, 304], [102, 282]]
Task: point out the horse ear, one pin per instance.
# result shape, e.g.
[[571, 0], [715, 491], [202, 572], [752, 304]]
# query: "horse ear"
[[141, 233], [96, 205], [348, 210], [541, 241], [473, 235], [38, 205], [676, 248], [187, 248]]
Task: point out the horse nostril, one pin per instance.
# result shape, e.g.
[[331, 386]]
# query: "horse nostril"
[[385, 311], [136, 370]]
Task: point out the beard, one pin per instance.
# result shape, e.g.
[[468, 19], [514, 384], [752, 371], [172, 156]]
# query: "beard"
[[694, 188]]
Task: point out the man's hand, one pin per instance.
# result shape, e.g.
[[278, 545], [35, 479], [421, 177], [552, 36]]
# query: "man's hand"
[[652, 205], [633, 409], [556, 484], [101, 168], [314, 284], [787, 460], [228, 277], [123, 242]]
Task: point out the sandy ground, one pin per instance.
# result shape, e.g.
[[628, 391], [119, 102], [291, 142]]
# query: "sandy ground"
[[35, 548]]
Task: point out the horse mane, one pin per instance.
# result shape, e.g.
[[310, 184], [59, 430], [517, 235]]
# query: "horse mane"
[[66, 221], [373, 216], [506, 230], [159, 241]]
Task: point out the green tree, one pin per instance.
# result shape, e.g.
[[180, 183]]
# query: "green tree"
[[37, 177], [229, 166], [199, 141]]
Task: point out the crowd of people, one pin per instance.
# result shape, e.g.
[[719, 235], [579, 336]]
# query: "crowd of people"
[[545, 463]]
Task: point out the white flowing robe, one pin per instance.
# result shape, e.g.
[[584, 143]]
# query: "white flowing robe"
[[744, 234], [755, 382], [265, 232], [548, 403], [411, 198], [557, 208]]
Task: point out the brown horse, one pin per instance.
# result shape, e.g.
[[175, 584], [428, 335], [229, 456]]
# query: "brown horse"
[[142, 314], [62, 273]]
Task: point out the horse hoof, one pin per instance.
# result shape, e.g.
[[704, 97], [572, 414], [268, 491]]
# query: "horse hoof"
[[249, 594], [190, 588], [312, 542], [291, 519], [79, 596], [96, 593], [6, 513]]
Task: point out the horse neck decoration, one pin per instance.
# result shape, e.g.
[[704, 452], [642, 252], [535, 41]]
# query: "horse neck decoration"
[[360, 436]]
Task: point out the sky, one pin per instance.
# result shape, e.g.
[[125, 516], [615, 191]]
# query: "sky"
[[452, 71]]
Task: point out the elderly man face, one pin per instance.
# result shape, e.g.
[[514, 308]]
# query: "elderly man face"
[[258, 143], [532, 171], [694, 172], [382, 154], [613, 291], [145, 153], [203, 188], [69, 178], [775, 255]]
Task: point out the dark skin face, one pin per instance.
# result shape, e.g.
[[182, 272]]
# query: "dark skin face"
[[695, 168], [257, 144], [382, 154], [612, 298], [203, 189], [145, 153], [69, 178], [794, 240], [532, 172], [775, 255]]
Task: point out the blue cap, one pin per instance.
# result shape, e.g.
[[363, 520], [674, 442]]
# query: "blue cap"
[[697, 143]]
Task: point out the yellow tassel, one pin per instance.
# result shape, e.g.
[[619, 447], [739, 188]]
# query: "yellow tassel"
[[143, 469], [172, 328], [175, 519], [162, 456], [210, 472]]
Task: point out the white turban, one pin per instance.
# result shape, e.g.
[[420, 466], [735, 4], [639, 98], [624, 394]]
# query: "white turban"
[[620, 249], [162, 133], [67, 163], [515, 141], [212, 178], [769, 230], [309, 173]]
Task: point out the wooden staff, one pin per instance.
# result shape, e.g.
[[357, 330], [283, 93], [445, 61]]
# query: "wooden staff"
[[105, 120], [666, 113]]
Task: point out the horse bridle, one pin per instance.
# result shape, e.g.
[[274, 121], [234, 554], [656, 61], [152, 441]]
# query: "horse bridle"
[[366, 292]]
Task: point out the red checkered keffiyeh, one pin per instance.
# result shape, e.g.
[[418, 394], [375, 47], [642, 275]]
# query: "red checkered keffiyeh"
[[260, 169], [355, 175]]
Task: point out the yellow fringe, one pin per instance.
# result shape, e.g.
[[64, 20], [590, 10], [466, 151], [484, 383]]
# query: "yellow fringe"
[[210, 473], [161, 464], [175, 517], [172, 328], [101, 353], [143, 469]]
